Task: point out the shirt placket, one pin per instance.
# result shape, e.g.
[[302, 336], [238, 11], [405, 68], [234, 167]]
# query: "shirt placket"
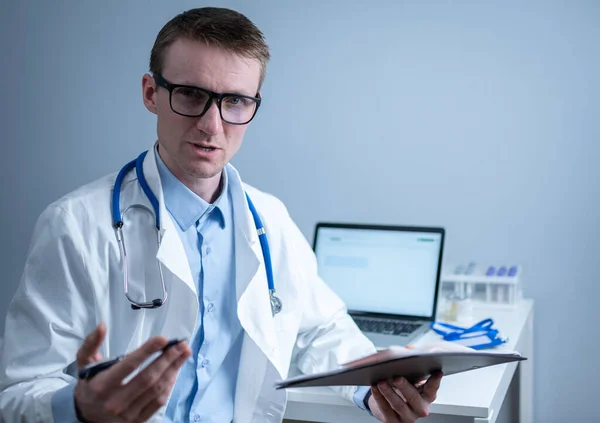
[[204, 371]]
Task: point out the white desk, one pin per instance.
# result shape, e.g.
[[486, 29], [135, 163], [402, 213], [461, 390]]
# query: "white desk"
[[477, 396]]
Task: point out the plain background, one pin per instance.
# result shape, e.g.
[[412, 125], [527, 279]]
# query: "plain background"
[[479, 116]]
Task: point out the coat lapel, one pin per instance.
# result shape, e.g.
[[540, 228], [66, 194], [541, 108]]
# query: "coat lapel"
[[171, 252], [254, 306], [260, 349]]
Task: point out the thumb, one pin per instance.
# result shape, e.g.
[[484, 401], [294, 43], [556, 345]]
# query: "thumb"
[[88, 352]]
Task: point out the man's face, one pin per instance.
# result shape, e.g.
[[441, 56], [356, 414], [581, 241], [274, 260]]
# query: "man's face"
[[199, 148]]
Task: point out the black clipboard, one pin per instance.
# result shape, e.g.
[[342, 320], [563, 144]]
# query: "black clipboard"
[[414, 367]]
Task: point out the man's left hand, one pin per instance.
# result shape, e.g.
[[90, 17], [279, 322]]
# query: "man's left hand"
[[397, 401]]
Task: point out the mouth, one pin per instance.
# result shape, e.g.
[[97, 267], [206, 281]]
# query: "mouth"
[[202, 147]]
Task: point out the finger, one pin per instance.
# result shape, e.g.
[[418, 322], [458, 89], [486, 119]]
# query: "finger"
[[133, 360], [419, 384], [153, 399], [431, 387], [389, 415], [123, 397], [153, 376], [153, 406], [413, 398], [401, 407], [88, 352]]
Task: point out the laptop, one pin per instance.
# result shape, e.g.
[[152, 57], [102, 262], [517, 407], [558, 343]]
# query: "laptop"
[[388, 276]]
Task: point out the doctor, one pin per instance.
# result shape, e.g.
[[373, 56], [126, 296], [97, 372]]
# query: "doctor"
[[207, 274]]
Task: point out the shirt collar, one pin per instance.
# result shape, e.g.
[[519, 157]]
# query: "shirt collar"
[[184, 205]]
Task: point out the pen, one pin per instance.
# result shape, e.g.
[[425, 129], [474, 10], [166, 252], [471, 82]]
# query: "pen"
[[91, 370]]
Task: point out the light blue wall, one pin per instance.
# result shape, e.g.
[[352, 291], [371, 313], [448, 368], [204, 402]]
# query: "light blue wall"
[[476, 115]]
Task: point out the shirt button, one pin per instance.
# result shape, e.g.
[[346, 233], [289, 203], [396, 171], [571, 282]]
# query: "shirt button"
[[210, 307], [196, 417], [205, 363]]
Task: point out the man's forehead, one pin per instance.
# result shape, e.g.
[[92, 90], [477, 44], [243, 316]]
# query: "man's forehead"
[[195, 63]]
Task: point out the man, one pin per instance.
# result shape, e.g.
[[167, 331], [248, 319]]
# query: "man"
[[73, 306]]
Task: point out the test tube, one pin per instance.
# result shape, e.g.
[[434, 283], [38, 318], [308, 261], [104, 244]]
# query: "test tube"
[[505, 293], [488, 294]]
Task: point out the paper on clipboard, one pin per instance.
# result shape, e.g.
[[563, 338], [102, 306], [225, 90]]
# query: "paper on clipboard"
[[413, 364]]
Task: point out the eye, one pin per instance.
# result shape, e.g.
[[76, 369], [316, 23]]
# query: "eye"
[[234, 101], [238, 102], [190, 92]]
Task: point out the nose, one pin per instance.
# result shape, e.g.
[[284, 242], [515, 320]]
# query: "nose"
[[210, 123]]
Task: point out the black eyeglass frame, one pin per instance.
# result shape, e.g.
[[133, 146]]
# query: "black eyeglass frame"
[[161, 81]]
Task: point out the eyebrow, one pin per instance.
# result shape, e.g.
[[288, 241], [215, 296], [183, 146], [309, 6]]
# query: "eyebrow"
[[235, 91]]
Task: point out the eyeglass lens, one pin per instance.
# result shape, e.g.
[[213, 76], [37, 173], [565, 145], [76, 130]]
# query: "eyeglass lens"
[[191, 101]]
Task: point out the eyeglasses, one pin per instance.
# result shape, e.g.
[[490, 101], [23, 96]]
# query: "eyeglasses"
[[186, 100]]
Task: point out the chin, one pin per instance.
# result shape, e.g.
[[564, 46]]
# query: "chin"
[[204, 172]]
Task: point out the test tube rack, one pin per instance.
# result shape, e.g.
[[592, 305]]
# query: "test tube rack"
[[496, 286]]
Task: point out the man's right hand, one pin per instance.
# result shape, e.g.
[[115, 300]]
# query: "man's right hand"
[[105, 398]]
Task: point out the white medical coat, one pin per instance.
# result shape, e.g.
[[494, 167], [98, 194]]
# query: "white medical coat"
[[73, 280]]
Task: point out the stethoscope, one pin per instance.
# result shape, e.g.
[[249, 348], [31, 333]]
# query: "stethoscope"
[[481, 329], [118, 225], [454, 333]]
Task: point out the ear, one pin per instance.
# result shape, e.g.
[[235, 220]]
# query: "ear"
[[149, 93]]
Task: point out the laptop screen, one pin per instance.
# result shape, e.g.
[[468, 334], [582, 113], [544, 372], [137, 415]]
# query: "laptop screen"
[[391, 271]]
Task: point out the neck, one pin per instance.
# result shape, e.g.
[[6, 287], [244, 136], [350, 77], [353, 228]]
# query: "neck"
[[206, 188]]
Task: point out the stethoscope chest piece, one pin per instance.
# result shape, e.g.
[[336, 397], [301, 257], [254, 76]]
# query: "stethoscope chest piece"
[[275, 302]]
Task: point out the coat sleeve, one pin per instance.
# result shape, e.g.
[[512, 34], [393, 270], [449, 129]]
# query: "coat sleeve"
[[47, 320], [328, 337]]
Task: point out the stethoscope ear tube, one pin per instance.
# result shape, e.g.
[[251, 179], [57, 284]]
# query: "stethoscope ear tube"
[[276, 304], [158, 302]]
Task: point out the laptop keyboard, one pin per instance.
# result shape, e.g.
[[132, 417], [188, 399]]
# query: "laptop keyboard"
[[385, 326]]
